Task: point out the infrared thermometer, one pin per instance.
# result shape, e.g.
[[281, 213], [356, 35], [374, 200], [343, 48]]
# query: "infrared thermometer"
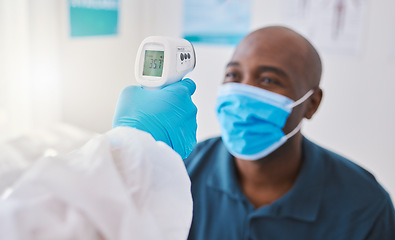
[[161, 61]]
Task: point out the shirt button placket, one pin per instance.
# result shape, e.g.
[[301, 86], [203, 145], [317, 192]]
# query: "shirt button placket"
[[247, 227]]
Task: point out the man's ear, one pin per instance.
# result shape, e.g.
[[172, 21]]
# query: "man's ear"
[[313, 103]]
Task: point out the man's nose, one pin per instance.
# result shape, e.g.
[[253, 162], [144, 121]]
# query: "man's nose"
[[249, 80]]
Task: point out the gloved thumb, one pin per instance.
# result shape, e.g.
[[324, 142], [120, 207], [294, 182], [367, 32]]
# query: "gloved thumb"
[[187, 82]]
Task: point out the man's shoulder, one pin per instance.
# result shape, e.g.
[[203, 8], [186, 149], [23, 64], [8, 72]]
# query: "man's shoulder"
[[347, 179], [341, 165]]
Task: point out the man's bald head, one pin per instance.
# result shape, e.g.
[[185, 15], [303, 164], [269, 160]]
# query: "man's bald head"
[[279, 60], [293, 48]]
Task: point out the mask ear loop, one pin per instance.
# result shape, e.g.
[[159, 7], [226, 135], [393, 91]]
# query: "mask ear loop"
[[293, 132], [301, 100], [292, 105]]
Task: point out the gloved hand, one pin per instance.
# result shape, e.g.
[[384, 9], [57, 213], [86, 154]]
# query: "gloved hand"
[[168, 114]]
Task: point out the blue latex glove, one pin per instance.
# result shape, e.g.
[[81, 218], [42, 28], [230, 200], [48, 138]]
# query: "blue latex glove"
[[168, 114]]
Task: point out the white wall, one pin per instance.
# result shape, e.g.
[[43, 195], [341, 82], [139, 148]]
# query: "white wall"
[[95, 69], [29, 60], [355, 118], [15, 97]]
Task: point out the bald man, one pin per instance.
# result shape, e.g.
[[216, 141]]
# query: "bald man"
[[262, 179]]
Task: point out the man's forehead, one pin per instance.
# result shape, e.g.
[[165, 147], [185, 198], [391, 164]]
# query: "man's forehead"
[[285, 47], [268, 51], [280, 49], [277, 41]]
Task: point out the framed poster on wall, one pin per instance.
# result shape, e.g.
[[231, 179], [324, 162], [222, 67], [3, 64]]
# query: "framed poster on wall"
[[93, 17], [223, 22]]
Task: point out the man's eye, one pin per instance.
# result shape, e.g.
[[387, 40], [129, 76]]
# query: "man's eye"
[[266, 80], [231, 75]]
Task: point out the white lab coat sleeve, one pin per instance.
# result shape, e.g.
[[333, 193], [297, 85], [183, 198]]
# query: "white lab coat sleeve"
[[121, 185]]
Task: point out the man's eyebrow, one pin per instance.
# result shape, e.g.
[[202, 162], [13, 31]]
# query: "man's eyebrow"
[[262, 68], [230, 64], [272, 69]]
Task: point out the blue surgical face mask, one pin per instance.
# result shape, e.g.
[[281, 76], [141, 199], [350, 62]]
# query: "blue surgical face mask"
[[251, 119]]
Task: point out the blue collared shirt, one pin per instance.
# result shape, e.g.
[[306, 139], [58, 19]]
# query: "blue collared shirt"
[[332, 198]]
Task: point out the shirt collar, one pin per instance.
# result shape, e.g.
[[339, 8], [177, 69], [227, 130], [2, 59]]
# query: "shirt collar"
[[301, 202]]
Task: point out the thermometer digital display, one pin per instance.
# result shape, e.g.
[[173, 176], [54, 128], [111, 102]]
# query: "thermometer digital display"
[[153, 63], [161, 61]]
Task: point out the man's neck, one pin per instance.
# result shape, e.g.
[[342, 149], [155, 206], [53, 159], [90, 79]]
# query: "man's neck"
[[266, 180]]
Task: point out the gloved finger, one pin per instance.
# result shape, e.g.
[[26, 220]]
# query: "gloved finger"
[[190, 84], [187, 82], [129, 90]]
